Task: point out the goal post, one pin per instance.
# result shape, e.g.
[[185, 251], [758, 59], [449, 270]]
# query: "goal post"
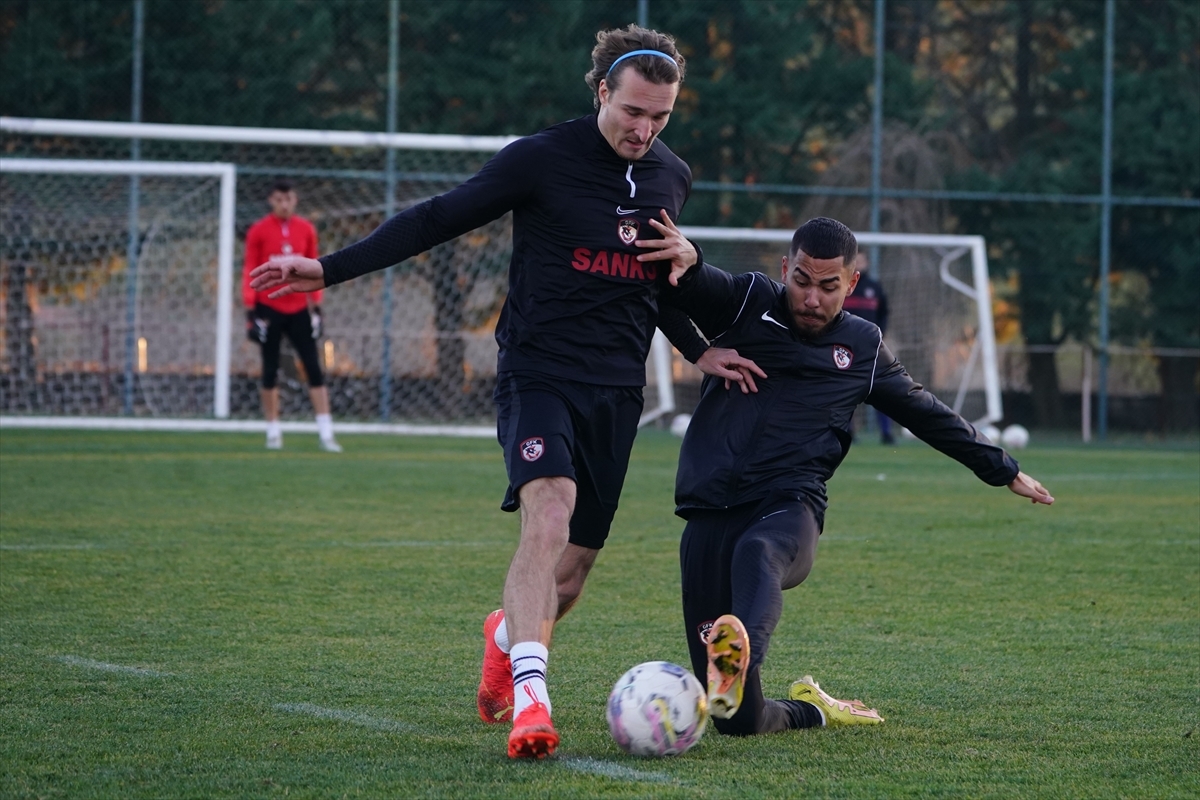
[[427, 324], [948, 345], [227, 175]]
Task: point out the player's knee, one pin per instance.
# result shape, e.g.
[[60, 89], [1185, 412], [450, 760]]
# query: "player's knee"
[[765, 553], [546, 507], [798, 571]]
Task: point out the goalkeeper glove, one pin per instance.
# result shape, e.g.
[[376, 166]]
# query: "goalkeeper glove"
[[317, 328], [256, 328]]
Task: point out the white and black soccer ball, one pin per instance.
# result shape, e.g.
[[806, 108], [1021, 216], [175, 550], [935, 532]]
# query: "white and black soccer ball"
[[991, 433], [657, 709], [679, 424], [1015, 437]]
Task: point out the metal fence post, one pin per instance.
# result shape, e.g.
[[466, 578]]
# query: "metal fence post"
[[643, 13], [1105, 220], [389, 206], [132, 244], [877, 130]]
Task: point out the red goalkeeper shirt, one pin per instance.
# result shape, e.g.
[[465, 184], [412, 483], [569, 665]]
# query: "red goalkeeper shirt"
[[269, 238]]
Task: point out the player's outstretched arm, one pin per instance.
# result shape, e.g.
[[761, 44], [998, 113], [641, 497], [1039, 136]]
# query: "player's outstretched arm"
[[722, 362], [289, 275], [1026, 486]]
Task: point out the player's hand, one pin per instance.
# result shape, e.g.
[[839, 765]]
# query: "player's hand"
[[721, 362], [294, 273], [1026, 486], [318, 329], [673, 247], [256, 327]]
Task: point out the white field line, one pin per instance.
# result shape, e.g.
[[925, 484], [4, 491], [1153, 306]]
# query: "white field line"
[[239, 426], [608, 769], [352, 717], [404, 543], [88, 663], [1127, 476], [48, 546]]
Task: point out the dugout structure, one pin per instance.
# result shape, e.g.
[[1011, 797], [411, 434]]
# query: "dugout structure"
[[88, 340]]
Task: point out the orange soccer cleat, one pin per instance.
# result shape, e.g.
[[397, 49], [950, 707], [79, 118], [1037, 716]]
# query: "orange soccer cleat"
[[533, 734], [495, 696]]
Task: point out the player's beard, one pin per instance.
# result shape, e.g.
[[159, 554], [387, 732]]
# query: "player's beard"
[[806, 323]]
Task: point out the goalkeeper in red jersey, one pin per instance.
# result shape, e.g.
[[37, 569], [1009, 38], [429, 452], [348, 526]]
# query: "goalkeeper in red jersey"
[[297, 316]]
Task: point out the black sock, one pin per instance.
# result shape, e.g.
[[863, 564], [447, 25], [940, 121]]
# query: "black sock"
[[801, 714]]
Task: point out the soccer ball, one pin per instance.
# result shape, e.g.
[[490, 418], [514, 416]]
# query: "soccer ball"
[[991, 433], [679, 424], [1015, 437], [657, 709]]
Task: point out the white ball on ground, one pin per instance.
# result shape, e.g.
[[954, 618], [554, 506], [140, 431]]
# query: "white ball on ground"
[[991, 433], [679, 425], [657, 709], [1015, 437]]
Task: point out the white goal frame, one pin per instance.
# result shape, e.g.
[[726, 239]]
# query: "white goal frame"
[[228, 188], [983, 352], [950, 247]]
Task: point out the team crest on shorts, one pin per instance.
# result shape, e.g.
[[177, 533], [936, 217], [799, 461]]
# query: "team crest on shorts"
[[532, 449], [842, 357], [627, 229], [703, 630]]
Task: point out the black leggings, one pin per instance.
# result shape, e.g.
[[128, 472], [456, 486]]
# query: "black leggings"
[[740, 561], [298, 328]]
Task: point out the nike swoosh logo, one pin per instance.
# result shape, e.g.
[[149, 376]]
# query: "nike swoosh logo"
[[766, 317], [627, 210]]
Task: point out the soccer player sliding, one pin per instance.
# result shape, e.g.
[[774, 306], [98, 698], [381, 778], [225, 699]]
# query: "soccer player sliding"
[[753, 466], [574, 335]]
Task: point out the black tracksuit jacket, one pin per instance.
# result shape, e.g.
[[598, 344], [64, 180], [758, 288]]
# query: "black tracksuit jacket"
[[790, 436], [579, 306]]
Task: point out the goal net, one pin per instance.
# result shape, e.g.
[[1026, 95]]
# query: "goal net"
[[84, 335], [940, 321], [85, 328]]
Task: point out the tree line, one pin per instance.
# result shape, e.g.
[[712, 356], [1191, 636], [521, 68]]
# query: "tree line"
[[1000, 95]]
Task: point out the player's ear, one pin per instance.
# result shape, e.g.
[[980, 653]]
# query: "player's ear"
[[855, 275], [602, 91], [783, 271]]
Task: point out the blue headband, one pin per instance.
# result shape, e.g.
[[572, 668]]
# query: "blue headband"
[[632, 53]]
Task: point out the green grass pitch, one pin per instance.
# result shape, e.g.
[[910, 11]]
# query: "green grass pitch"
[[187, 615]]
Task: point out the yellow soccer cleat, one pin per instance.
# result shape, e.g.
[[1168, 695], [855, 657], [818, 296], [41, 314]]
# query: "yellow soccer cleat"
[[835, 712], [728, 659]]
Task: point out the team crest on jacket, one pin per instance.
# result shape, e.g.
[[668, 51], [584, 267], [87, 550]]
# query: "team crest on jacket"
[[627, 229], [842, 357], [532, 449]]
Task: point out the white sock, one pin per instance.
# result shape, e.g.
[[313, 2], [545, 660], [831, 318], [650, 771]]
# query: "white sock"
[[274, 429], [325, 426], [500, 637], [529, 676]]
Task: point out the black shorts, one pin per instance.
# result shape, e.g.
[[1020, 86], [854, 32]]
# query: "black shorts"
[[551, 428], [298, 329]]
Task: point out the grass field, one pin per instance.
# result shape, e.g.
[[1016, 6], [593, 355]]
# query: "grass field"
[[187, 615]]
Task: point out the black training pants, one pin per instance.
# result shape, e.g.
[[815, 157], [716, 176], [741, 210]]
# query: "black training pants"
[[298, 329], [739, 561]]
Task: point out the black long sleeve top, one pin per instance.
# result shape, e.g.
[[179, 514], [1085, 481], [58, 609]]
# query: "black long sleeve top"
[[580, 306], [793, 434]]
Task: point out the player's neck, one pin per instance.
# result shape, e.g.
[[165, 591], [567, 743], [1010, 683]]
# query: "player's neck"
[[281, 217]]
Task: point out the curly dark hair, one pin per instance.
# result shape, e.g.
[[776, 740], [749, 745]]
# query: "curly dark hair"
[[612, 44]]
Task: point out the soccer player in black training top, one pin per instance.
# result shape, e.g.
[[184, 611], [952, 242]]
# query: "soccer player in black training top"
[[574, 334], [753, 467]]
